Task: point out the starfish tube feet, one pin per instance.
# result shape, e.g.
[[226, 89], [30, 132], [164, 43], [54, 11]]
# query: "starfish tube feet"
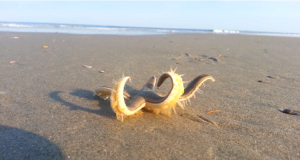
[[193, 87]]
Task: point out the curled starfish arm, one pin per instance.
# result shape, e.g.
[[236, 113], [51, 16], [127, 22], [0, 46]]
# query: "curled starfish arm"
[[105, 92], [118, 103], [149, 86], [146, 98], [193, 86], [165, 104]]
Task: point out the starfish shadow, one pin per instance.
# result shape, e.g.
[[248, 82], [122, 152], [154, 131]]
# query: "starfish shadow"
[[104, 105]]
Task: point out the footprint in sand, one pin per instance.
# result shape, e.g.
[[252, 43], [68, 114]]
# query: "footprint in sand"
[[205, 58], [190, 58]]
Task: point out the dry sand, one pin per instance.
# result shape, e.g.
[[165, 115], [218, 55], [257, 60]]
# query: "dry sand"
[[48, 111]]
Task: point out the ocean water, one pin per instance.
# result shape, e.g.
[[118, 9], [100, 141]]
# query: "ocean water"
[[117, 30]]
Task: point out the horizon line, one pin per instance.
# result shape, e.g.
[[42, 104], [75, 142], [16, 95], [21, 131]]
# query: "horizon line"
[[151, 27]]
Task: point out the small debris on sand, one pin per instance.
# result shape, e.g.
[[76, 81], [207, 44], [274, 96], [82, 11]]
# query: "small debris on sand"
[[214, 111], [214, 59], [101, 71], [260, 81], [291, 112], [219, 55], [12, 62], [15, 37], [45, 46], [86, 66], [272, 77]]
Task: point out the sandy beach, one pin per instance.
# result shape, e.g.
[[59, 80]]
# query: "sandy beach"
[[48, 109]]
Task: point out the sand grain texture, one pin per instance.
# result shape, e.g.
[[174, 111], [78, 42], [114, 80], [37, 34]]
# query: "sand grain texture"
[[47, 97]]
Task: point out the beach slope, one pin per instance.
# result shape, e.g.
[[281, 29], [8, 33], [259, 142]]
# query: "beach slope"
[[46, 97]]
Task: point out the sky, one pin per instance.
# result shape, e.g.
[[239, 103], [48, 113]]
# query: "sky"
[[271, 16]]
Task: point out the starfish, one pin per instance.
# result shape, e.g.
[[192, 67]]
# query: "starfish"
[[149, 99]]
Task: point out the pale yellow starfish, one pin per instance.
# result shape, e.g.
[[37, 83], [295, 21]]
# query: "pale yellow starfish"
[[147, 98]]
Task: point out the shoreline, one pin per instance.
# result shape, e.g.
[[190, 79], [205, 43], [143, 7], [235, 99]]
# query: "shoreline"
[[136, 32]]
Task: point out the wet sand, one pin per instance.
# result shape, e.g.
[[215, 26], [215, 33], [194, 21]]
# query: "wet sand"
[[48, 110]]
